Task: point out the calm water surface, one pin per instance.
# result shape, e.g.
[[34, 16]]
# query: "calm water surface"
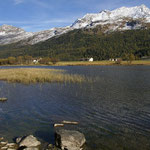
[[113, 110]]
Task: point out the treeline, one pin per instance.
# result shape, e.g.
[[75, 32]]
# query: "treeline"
[[88, 43], [28, 60]]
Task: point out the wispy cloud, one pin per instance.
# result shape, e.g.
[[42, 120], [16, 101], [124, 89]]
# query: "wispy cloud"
[[37, 22], [39, 3], [18, 2]]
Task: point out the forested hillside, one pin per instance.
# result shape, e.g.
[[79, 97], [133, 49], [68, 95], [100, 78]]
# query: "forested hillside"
[[79, 44]]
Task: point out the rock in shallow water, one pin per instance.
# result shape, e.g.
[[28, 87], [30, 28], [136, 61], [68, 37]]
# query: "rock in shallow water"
[[69, 140], [29, 141]]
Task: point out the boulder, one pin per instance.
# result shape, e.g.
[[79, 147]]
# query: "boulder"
[[29, 141], [69, 140]]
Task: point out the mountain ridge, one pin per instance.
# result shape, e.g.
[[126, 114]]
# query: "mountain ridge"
[[121, 19]]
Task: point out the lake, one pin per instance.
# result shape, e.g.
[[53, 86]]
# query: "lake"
[[113, 110]]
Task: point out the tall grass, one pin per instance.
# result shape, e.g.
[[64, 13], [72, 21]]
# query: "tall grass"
[[34, 75], [102, 63]]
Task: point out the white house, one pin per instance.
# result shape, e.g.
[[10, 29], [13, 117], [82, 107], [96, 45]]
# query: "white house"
[[91, 59], [35, 61]]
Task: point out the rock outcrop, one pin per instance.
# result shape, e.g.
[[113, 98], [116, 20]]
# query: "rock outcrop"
[[64, 140], [28, 143], [69, 140]]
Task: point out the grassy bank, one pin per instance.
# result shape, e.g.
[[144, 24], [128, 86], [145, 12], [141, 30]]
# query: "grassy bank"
[[87, 63], [103, 63], [34, 75]]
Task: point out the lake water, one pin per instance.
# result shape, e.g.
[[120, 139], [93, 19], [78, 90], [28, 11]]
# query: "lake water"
[[113, 110]]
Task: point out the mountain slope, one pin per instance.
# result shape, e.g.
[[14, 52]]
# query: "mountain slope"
[[105, 35], [83, 43]]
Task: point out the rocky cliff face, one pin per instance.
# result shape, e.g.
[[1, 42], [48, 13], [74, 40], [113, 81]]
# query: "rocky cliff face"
[[120, 19]]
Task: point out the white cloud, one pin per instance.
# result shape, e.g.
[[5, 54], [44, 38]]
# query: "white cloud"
[[35, 2], [18, 1], [41, 3], [38, 22]]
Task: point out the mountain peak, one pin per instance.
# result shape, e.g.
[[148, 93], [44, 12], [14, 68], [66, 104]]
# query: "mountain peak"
[[105, 10], [144, 6], [107, 16], [6, 27]]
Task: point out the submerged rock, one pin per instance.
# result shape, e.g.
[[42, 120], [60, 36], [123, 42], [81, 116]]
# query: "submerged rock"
[[70, 122], [29, 142], [3, 99], [58, 125], [69, 140]]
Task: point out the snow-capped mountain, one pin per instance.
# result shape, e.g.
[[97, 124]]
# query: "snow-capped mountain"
[[124, 18], [10, 34], [44, 35], [117, 17]]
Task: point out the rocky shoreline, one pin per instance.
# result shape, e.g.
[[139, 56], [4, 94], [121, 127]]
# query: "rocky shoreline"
[[64, 140]]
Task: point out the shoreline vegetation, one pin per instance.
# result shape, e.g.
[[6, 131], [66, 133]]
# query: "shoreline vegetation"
[[102, 63], [38, 75], [85, 63]]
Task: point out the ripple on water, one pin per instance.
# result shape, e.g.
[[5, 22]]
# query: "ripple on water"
[[113, 111]]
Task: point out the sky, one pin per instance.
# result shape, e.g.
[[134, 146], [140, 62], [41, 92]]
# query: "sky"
[[38, 15]]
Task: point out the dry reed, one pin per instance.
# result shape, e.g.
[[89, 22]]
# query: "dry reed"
[[34, 75]]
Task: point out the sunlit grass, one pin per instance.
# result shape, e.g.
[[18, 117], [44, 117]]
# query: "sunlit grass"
[[102, 63], [84, 63], [34, 75]]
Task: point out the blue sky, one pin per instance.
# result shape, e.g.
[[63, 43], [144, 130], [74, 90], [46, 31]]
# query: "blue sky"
[[37, 15]]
